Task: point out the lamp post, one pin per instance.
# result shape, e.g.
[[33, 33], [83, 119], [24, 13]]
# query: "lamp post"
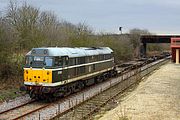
[[120, 29]]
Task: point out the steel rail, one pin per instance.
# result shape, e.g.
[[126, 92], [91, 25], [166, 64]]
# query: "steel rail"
[[21, 105], [24, 113], [35, 110]]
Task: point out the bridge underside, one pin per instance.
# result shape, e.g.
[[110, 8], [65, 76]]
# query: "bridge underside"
[[154, 39]]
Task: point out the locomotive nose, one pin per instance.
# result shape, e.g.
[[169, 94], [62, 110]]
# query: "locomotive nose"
[[38, 76]]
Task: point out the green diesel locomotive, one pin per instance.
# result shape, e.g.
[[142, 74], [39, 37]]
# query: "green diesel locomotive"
[[56, 72]]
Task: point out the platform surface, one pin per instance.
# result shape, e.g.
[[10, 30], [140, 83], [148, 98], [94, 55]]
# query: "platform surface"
[[157, 97]]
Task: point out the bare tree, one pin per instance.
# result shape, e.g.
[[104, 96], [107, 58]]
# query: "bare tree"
[[135, 35], [24, 21], [49, 26]]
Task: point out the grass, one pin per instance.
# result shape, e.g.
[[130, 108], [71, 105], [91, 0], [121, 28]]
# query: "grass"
[[9, 94], [9, 89], [121, 113]]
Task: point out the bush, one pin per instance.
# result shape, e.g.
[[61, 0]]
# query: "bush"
[[6, 71]]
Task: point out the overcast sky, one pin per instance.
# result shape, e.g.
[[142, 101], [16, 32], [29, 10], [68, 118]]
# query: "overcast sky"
[[158, 16]]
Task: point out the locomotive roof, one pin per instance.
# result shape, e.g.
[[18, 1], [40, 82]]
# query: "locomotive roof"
[[70, 52]]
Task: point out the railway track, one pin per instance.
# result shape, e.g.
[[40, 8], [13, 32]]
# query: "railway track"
[[93, 105], [86, 101], [22, 110], [16, 107]]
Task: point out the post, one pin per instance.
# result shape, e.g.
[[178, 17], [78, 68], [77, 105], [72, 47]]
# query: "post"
[[39, 116], [144, 49], [59, 108], [177, 56]]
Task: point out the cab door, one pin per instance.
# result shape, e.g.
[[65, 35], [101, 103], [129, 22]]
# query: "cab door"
[[65, 60]]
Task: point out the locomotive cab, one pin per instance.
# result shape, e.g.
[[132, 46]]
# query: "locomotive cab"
[[39, 66], [35, 70]]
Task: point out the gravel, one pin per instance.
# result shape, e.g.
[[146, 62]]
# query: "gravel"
[[13, 103]]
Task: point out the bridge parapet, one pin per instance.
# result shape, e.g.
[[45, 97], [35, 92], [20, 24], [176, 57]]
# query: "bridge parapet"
[[175, 42]]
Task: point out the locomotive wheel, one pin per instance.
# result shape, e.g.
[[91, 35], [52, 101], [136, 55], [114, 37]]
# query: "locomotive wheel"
[[79, 86], [32, 95], [68, 91], [99, 79], [59, 93], [106, 76], [50, 98]]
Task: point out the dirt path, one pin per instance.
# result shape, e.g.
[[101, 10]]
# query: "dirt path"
[[156, 98]]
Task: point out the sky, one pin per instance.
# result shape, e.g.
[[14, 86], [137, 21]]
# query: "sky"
[[157, 16]]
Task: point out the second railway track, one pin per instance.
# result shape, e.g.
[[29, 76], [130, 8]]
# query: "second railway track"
[[86, 109], [91, 106]]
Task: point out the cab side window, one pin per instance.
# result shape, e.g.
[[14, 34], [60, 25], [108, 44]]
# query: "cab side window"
[[65, 60], [71, 61], [49, 61], [58, 61]]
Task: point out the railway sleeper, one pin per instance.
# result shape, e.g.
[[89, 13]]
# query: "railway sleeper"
[[82, 110], [98, 102]]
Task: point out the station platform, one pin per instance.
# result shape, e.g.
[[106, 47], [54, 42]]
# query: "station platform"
[[157, 97]]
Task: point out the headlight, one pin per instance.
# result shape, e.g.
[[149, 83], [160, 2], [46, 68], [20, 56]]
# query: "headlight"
[[47, 72]]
